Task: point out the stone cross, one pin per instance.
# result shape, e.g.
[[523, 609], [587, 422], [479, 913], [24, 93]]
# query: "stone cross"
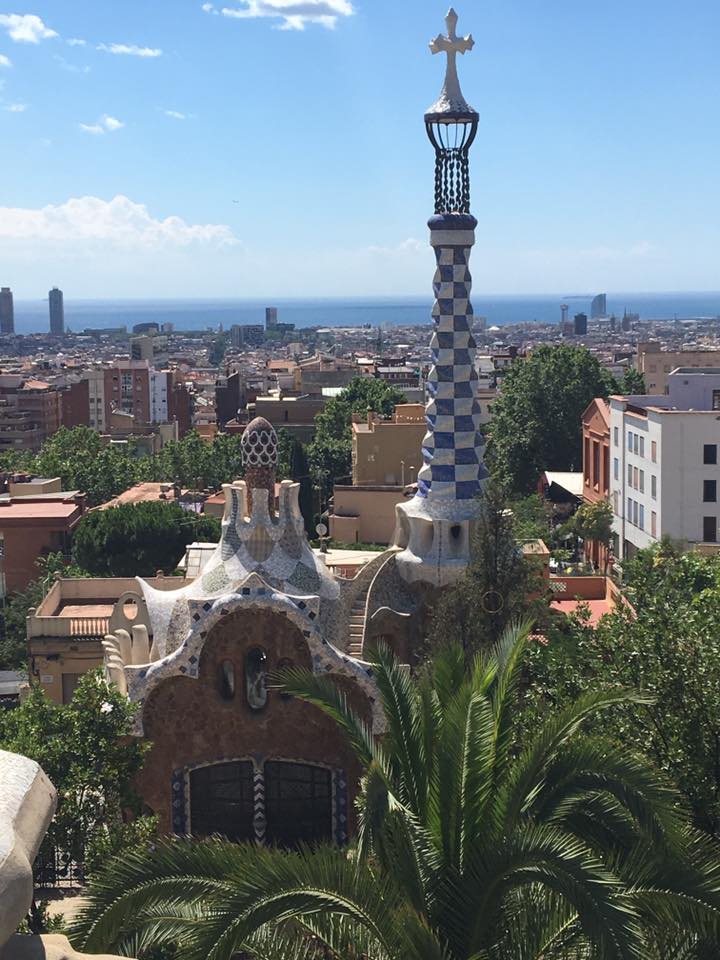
[[451, 45]]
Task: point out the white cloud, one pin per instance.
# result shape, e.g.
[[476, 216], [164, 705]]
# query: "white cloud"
[[130, 50], [176, 115], [71, 67], [26, 28], [294, 14], [117, 222], [15, 107], [5, 61], [77, 42], [106, 124], [210, 8]]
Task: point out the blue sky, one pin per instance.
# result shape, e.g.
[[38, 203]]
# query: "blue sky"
[[128, 131]]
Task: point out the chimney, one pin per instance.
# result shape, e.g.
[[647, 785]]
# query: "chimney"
[[370, 417]]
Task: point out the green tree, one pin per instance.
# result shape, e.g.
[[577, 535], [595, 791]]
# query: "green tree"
[[536, 423], [632, 383], [471, 845], [593, 522], [85, 750], [668, 646], [13, 645], [138, 539], [83, 462], [496, 587]]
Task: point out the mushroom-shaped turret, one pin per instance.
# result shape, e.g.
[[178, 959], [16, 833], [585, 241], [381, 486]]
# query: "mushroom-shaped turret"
[[259, 445]]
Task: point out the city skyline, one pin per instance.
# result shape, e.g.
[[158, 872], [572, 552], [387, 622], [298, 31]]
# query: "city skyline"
[[266, 149]]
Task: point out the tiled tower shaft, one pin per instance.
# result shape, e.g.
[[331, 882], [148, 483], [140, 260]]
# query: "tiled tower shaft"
[[453, 447]]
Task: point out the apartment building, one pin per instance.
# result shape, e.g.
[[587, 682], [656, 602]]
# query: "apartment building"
[[657, 364], [30, 412], [596, 466], [135, 387], [664, 450]]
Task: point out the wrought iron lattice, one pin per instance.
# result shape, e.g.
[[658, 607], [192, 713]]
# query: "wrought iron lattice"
[[452, 141]]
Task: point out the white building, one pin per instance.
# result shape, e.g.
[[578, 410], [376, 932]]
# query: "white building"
[[664, 463]]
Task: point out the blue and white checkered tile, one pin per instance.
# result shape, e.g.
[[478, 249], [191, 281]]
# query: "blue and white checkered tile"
[[453, 447]]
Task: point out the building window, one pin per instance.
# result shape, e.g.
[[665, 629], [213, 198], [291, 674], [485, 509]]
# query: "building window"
[[221, 800], [227, 680], [653, 451], [653, 487], [710, 453], [635, 512], [642, 481], [716, 399], [641, 517], [642, 446], [629, 510], [710, 529], [255, 672], [636, 443], [616, 468], [630, 440], [629, 480], [615, 436], [596, 463], [298, 798], [653, 523], [709, 491]]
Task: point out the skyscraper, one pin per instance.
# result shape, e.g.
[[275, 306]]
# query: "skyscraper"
[[57, 312], [7, 311], [271, 318], [598, 307], [580, 325]]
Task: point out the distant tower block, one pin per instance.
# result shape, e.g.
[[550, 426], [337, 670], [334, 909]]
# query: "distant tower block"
[[564, 313], [435, 526], [57, 312], [598, 307], [7, 311], [580, 324], [271, 318]]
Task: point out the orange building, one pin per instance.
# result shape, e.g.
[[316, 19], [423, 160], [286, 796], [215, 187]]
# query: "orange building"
[[596, 466]]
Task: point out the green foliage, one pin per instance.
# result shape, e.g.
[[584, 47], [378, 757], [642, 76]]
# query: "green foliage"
[[496, 587], [330, 452], [85, 750], [471, 844], [536, 422], [116, 838], [39, 920], [139, 539], [530, 518], [193, 462], [671, 649], [13, 645], [632, 383], [592, 521]]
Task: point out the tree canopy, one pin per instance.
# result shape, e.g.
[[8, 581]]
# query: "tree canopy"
[[472, 844], [138, 539], [84, 749], [669, 646], [536, 423]]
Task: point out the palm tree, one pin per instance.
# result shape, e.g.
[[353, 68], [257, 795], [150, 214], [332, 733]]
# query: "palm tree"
[[471, 846]]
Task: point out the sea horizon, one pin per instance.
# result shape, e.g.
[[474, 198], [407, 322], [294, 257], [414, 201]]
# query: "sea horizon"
[[31, 316]]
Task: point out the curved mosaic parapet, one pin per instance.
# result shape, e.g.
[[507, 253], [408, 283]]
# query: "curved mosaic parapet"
[[255, 593]]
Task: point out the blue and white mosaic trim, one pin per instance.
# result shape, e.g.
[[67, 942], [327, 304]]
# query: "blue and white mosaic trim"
[[453, 446], [255, 593]]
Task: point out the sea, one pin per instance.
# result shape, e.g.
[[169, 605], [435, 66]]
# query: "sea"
[[31, 316]]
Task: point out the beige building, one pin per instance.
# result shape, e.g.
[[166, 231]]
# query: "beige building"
[[656, 364], [389, 452], [386, 456]]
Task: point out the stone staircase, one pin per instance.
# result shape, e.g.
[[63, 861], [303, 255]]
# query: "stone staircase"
[[357, 624]]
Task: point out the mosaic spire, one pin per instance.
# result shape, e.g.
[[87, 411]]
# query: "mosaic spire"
[[435, 526]]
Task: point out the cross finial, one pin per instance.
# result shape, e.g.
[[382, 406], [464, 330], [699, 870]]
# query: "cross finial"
[[451, 98]]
